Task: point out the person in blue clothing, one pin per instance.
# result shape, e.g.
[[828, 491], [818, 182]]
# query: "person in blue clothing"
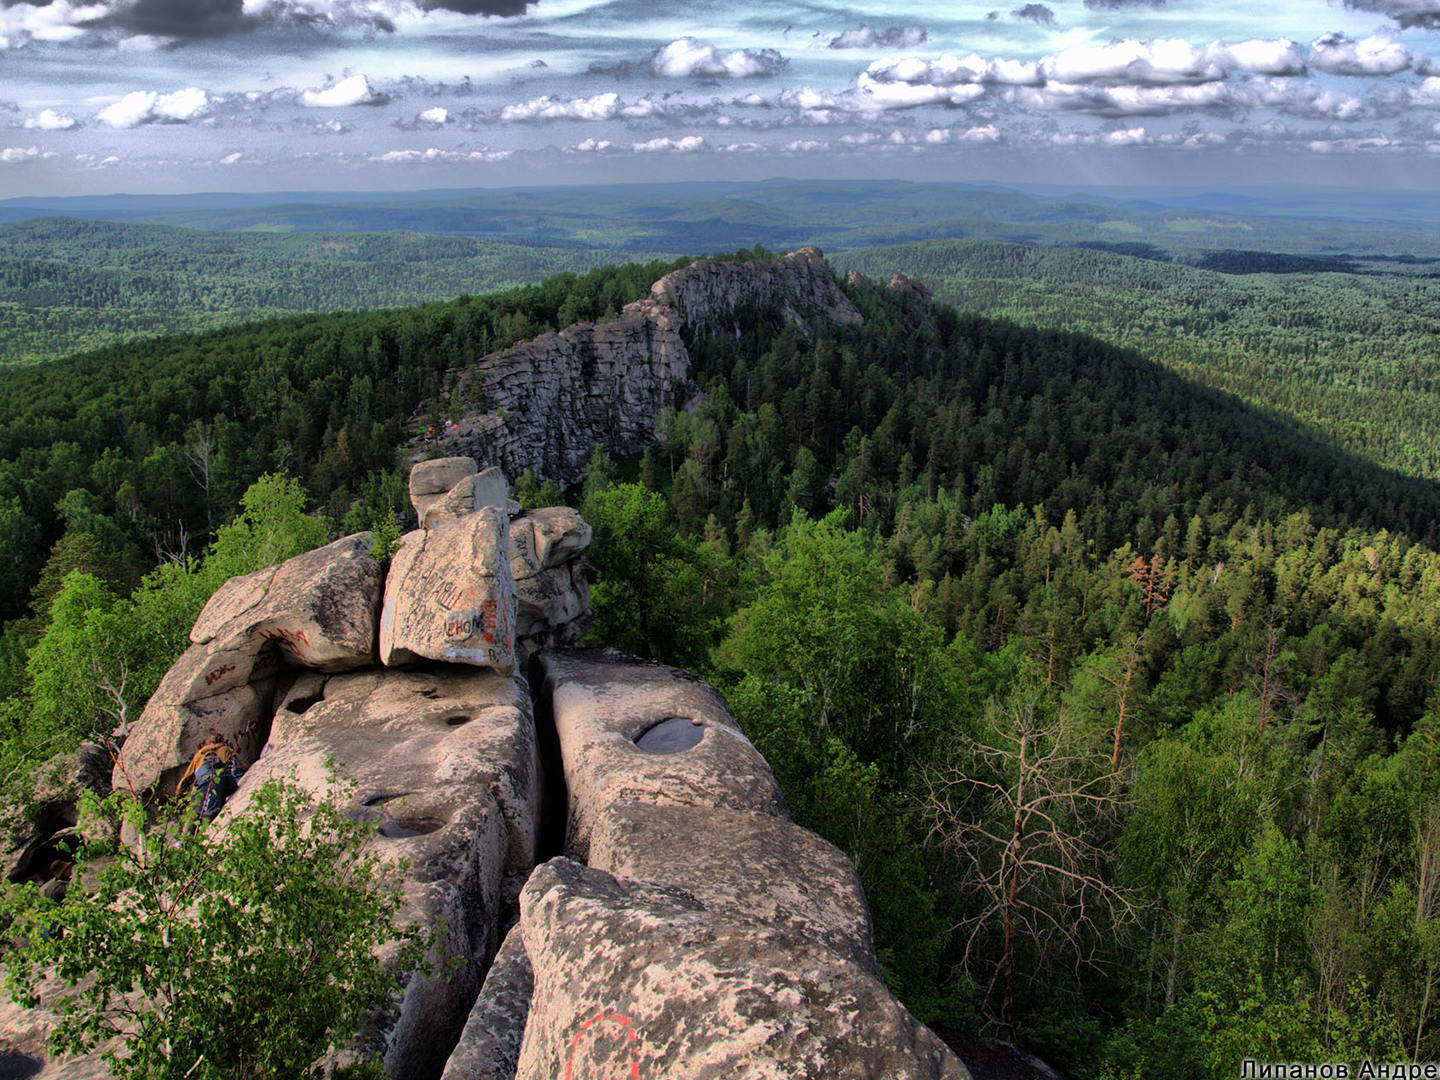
[[215, 771]]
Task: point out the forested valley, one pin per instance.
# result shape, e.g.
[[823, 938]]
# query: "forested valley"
[[1119, 690]]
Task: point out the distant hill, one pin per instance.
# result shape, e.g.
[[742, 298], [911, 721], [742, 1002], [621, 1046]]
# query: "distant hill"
[[68, 285], [1352, 354]]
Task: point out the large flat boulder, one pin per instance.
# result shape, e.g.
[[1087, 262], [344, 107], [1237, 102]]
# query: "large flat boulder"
[[753, 865], [431, 480], [318, 610], [634, 979], [609, 707], [450, 595], [445, 762], [485, 488]]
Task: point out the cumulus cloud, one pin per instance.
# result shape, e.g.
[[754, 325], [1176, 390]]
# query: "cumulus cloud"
[[987, 133], [434, 155], [1279, 57], [1128, 137], [599, 107], [193, 20], [1117, 5], [1408, 13], [1121, 101], [1336, 54], [14, 155], [689, 144], [948, 71], [51, 120], [147, 107], [688, 58], [231, 159], [895, 37], [354, 90], [1036, 13], [593, 146], [1135, 63]]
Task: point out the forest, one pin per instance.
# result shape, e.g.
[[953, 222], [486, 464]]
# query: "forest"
[[1118, 688], [69, 286]]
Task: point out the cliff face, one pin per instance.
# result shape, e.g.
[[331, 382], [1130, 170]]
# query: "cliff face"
[[544, 404]]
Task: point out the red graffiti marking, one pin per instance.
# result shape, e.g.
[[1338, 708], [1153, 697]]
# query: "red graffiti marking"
[[605, 1048], [284, 636], [211, 677]]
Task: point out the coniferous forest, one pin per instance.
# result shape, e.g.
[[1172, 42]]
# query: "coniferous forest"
[[1118, 689]]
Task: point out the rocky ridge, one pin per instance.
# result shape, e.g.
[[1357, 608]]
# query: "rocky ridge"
[[619, 883], [545, 404]]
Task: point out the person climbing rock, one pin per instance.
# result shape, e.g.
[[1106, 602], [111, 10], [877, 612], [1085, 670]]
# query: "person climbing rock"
[[215, 771]]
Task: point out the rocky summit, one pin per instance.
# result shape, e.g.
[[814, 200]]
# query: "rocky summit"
[[617, 883], [545, 404]]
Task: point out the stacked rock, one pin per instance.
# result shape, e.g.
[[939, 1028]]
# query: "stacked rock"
[[691, 928]]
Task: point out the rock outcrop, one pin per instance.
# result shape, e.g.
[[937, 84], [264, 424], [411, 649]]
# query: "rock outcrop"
[[450, 596], [545, 404], [606, 818], [446, 762]]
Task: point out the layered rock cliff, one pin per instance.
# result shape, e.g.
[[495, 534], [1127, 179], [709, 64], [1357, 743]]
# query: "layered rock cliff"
[[545, 404]]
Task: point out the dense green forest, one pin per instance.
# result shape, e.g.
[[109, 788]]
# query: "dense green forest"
[[68, 286], [1356, 355], [1119, 691]]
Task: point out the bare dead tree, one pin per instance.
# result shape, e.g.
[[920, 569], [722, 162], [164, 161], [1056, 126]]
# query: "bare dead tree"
[[199, 457], [1022, 810]]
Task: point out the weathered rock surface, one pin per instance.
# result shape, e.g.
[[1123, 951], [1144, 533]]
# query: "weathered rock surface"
[[172, 728], [59, 783], [489, 1047], [445, 760], [708, 293], [486, 488], [431, 480], [317, 610], [545, 404], [753, 866], [450, 595], [603, 701], [639, 979]]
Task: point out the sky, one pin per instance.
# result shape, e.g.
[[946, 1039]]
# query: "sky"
[[164, 96]]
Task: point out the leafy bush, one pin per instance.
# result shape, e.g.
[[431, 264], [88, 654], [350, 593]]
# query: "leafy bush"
[[243, 950]]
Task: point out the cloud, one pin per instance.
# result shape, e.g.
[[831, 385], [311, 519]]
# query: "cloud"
[[1036, 13], [1135, 63], [434, 155], [1336, 54], [1128, 137], [1278, 57], [1408, 13], [147, 107], [895, 37], [1123, 101], [50, 120], [1119, 5], [14, 155], [987, 133], [231, 159], [599, 107], [177, 19], [687, 58], [352, 91], [689, 144], [948, 71], [592, 146]]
